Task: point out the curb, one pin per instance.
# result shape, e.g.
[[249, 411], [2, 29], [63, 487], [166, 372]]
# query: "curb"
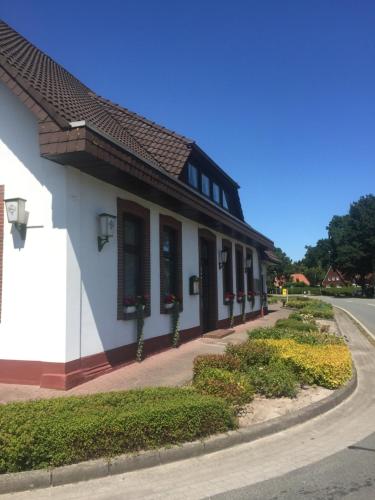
[[366, 331], [94, 469]]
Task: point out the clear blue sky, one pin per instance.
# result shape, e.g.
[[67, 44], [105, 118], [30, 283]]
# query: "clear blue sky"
[[281, 94]]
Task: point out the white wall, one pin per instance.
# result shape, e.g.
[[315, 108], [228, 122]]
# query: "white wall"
[[59, 292], [33, 321]]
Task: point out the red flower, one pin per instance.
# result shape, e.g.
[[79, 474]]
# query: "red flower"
[[229, 296], [129, 301], [170, 299]]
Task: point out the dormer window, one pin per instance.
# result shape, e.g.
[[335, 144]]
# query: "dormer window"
[[216, 193], [193, 176], [225, 201], [205, 185]]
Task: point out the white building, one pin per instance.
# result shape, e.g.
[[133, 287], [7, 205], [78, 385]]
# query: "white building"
[[72, 156]]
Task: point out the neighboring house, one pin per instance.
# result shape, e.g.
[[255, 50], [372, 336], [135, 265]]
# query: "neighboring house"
[[299, 278], [73, 155], [334, 278]]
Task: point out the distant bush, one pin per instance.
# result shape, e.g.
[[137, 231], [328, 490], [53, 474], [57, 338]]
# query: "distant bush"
[[222, 361], [347, 291], [272, 299], [314, 307], [53, 432], [275, 380], [251, 353], [234, 387]]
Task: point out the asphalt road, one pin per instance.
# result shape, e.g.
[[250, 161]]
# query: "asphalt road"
[[362, 309], [349, 474]]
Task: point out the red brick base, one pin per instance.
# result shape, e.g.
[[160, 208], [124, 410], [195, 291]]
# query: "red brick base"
[[67, 375]]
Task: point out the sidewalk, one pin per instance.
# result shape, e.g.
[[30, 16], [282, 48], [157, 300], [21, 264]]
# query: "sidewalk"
[[168, 368]]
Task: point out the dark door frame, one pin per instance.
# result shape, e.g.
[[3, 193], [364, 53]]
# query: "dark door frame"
[[213, 295]]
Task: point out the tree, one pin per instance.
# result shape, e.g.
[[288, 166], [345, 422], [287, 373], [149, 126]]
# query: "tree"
[[282, 270], [352, 238]]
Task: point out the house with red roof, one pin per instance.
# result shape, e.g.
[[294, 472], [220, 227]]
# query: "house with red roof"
[[334, 278], [299, 278], [106, 218]]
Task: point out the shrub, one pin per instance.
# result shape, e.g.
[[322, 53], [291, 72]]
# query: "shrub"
[[275, 380], [251, 353], [53, 432], [223, 361], [295, 324], [314, 307], [271, 299], [326, 365], [234, 387]]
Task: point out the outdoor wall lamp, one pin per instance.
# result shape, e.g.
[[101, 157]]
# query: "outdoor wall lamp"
[[17, 215], [248, 263], [106, 229], [223, 258]]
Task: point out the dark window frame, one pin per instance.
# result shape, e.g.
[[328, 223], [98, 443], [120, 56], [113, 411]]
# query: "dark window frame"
[[133, 209], [165, 221], [240, 278], [227, 268], [250, 271]]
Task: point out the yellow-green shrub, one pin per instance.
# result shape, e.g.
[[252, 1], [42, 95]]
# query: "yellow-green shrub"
[[326, 365]]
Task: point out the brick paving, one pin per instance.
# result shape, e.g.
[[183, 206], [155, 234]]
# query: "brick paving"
[[169, 368]]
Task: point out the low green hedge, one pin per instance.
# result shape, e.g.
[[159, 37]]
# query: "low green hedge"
[[223, 361], [314, 307], [312, 338], [233, 387], [345, 291], [53, 432], [275, 380]]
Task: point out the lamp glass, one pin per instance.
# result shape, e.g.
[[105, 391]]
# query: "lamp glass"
[[224, 256], [15, 208], [107, 225]]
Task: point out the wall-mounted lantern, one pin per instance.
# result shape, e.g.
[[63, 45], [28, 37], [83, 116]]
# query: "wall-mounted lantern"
[[106, 229], [248, 263], [223, 258], [17, 215], [194, 282]]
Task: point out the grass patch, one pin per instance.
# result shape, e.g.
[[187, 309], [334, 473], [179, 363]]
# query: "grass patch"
[[53, 432]]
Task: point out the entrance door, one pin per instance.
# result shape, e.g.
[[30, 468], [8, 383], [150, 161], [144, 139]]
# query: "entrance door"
[[208, 297]]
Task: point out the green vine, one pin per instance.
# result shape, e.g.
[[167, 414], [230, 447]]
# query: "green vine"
[[175, 324], [243, 308], [231, 315], [140, 336]]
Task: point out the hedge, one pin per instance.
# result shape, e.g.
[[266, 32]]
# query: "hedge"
[[223, 361], [275, 380], [53, 432], [312, 338]]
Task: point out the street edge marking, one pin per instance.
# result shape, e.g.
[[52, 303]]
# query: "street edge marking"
[[99, 468], [362, 328]]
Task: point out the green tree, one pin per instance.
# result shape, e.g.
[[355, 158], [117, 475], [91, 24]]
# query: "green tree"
[[352, 238], [282, 270]]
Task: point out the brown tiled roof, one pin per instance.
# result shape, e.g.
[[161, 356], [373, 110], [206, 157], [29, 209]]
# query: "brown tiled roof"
[[73, 101]]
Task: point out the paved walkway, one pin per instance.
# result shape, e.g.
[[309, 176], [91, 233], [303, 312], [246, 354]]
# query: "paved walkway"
[[169, 368], [250, 463]]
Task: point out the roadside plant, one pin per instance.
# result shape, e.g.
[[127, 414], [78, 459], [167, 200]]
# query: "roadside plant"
[[223, 361], [251, 353], [274, 380]]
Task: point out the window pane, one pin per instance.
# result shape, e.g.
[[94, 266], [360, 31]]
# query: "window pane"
[[133, 236], [169, 249], [225, 201], [216, 193], [205, 185], [192, 176], [239, 271]]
